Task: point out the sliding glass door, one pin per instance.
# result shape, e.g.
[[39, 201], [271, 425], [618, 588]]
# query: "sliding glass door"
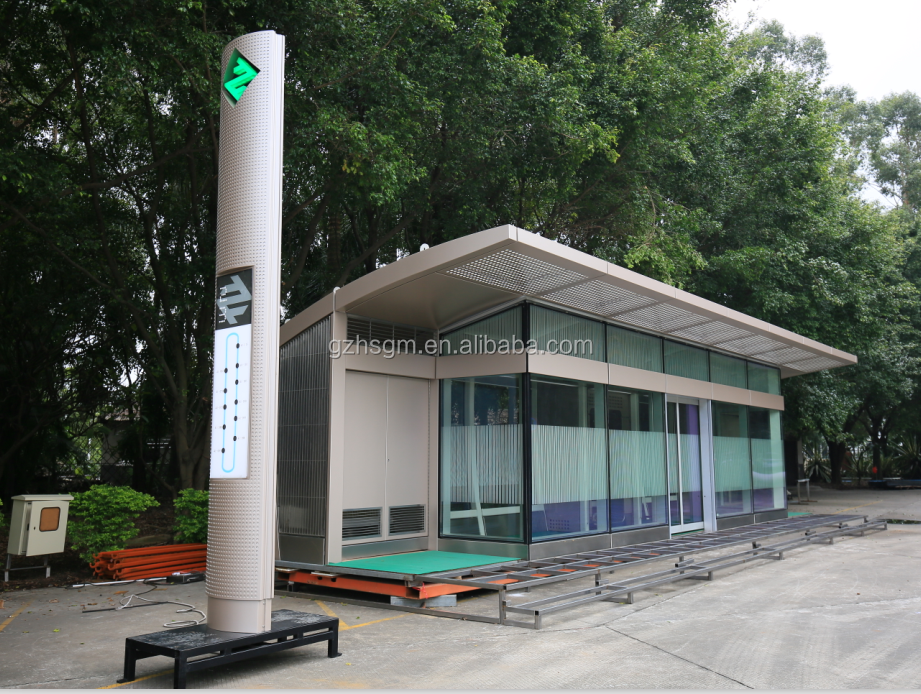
[[685, 484]]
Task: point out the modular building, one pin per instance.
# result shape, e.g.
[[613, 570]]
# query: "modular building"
[[505, 395]]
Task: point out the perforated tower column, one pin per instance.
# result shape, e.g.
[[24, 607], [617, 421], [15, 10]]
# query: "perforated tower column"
[[241, 516]]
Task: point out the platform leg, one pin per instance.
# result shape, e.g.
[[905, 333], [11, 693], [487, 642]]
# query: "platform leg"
[[130, 662], [6, 569], [47, 567], [180, 672], [332, 646]]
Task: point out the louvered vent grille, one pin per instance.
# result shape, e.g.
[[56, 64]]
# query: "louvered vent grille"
[[407, 338], [407, 519], [361, 522]]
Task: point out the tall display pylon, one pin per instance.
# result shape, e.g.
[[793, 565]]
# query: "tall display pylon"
[[241, 514]]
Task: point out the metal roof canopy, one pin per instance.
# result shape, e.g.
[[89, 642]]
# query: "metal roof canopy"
[[453, 281]]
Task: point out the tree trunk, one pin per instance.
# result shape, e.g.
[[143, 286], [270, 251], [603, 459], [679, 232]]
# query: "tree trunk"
[[836, 453]]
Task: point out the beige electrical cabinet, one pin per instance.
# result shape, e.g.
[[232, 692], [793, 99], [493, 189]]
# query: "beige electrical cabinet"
[[39, 523]]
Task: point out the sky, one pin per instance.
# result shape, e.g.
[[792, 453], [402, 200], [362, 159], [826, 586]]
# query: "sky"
[[872, 45]]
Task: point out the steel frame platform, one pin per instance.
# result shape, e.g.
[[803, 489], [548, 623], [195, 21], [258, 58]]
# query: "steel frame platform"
[[290, 629], [523, 575]]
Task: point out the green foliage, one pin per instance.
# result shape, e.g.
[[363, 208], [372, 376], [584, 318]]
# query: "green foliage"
[[191, 516], [103, 518], [908, 456], [3, 521], [646, 132]]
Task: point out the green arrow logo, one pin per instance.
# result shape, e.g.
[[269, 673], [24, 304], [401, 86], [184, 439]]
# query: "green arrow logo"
[[239, 73]]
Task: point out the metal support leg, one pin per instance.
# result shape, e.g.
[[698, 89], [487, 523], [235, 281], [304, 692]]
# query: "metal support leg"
[[6, 570], [332, 649], [179, 672], [130, 662], [47, 567]]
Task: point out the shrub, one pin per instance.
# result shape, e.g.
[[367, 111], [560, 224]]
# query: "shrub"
[[2, 517], [105, 518], [191, 516]]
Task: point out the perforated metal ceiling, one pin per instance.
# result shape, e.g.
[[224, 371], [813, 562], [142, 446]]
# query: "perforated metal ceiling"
[[510, 270]]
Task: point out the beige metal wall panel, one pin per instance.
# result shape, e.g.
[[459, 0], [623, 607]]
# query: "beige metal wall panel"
[[771, 402], [628, 377], [409, 365], [422, 263], [688, 387], [432, 301], [337, 429], [364, 467], [738, 396], [303, 320], [464, 365], [838, 354], [565, 366], [242, 524], [407, 441]]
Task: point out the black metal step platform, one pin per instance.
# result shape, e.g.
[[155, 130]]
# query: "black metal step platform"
[[290, 629]]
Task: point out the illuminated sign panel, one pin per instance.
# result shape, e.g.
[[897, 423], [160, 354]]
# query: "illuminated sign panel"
[[239, 73], [230, 404]]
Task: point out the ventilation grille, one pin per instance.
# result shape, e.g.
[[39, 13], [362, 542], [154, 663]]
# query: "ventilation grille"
[[361, 522], [517, 272], [407, 519], [711, 332], [813, 364], [600, 298], [663, 318], [406, 338]]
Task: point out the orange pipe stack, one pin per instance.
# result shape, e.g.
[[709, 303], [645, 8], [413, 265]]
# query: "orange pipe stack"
[[149, 562]]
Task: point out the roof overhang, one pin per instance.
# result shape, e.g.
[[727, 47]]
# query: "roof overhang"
[[454, 281]]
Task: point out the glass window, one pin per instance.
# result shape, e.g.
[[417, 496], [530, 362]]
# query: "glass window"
[[728, 371], [569, 486], [486, 336], [765, 379], [636, 439], [768, 477], [732, 465], [639, 351], [481, 458], [687, 361], [561, 333]]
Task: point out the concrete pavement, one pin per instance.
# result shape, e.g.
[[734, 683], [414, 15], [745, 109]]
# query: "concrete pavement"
[[828, 617]]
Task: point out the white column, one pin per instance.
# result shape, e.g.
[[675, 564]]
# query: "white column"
[[241, 517]]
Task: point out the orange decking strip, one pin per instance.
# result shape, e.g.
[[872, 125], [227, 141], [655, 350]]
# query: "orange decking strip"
[[380, 586]]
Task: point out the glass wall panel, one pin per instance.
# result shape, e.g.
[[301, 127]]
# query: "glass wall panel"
[[687, 361], [629, 348], [569, 486], [765, 379], [562, 333], [484, 336], [768, 477], [732, 464], [728, 371], [636, 440], [482, 490], [684, 474]]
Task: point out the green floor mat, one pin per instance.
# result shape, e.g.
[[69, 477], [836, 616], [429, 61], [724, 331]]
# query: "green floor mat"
[[794, 514], [422, 562]]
